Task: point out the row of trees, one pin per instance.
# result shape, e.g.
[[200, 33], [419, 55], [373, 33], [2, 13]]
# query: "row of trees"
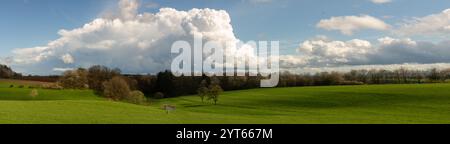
[[165, 85], [374, 76], [104, 81]]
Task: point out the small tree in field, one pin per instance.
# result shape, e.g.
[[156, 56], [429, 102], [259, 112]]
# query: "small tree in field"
[[214, 90], [34, 93], [202, 91]]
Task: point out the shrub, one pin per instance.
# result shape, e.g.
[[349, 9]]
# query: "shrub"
[[116, 89], [11, 86], [21, 86], [136, 97], [34, 93], [158, 95], [52, 86]]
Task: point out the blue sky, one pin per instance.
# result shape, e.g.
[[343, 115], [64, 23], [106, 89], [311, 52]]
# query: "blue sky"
[[28, 23], [31, 23]]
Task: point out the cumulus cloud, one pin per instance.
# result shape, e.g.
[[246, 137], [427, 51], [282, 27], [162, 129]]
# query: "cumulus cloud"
[[349, 24], [323, 52], [380, 1], [128, 9], [434, 24], [67, 58], [135, 42], [394, 51]]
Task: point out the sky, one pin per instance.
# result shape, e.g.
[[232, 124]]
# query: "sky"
[[48, 36]]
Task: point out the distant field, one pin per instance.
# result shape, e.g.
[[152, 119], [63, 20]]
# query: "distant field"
[[429, 103]]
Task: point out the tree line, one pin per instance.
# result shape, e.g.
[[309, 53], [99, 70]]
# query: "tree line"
[[104, 81], [165, 84]]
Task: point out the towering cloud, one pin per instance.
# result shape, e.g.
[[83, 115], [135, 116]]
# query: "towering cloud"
[[136, 43]]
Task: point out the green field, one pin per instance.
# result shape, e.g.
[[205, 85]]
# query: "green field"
[[428, 103]]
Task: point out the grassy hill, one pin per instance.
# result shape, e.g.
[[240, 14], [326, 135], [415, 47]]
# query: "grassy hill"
[[428, 103]]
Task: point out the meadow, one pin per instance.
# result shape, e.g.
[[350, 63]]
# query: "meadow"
[[373, 104]]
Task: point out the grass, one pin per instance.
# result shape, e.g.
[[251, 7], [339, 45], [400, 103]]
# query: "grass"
[[428, 103]]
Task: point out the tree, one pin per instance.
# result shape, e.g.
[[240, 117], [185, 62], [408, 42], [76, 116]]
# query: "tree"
[[98, 74], [146, 84], [74, 79], [434, 75], [202, 91], [165, 83], [214, 90], [116, 89], [34, 93], [7, 72]]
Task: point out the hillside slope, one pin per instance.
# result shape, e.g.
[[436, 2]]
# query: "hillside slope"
[[336, 104]]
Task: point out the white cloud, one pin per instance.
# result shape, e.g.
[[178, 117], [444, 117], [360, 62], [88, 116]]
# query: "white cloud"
[[62, 69], [381, 1], [327, 52], [67, 59], [349, 24], [434, 24], [133, 42], [323, 52], [128, 8]]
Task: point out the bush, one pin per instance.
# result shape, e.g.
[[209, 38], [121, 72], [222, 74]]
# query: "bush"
[[11, 86], [21, 86], [34, 93], [137, 97], [116, 89], [158, 95], [52, 86]]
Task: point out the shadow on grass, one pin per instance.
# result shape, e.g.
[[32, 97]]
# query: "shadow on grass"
[[349, 99]]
